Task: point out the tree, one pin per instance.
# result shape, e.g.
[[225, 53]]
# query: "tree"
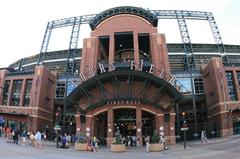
[[155, 138], [118, 137]]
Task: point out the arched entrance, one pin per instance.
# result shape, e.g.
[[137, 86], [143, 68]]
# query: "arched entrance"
[[150, 97], [148, 124], [124, 120], [100, 127]]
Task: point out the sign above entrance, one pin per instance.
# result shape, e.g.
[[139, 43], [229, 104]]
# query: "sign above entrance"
[[151, 69]]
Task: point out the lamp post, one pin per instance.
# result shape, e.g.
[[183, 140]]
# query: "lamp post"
[[70, 128], [184, 128]]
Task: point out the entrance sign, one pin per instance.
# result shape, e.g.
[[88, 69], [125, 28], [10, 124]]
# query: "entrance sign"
[[111, 67], [184, 129]]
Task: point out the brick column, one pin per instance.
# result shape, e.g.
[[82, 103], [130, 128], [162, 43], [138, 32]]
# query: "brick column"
[[22, 92], [172, 136], [159, 121], [139, 123], [78, 122], [10, 89], [111, 49], [88, 125], [110, 126], [136, 50], [2, 81], [236, 85]]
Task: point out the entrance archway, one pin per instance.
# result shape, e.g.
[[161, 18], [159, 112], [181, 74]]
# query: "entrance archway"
[[148, 124], [125, 121], [126, 89], [100, 127]]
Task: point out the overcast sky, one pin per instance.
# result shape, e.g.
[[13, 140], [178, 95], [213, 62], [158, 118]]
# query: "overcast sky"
[[23, 22]]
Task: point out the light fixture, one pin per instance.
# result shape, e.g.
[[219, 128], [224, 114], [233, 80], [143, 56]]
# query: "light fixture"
[[87, 129], [161, 128]]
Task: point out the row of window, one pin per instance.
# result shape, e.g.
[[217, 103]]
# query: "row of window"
[[15, 93], [183, 84], [231, 86]]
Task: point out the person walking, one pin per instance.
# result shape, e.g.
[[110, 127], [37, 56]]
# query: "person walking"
[[24, 137], [202, 136], [147, 140], [38, 138], [138, 141], [16, 133], [32, 139], [68, 138]]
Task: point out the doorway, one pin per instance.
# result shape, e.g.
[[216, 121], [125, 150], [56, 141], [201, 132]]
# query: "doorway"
[[100, 127], [125, 121]]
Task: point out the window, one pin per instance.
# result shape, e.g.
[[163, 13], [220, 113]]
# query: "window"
[[17, 86], [5, 92], [184, 85], [198, 85], [27, 92], [231, 87], [238, 77], [60, 90]]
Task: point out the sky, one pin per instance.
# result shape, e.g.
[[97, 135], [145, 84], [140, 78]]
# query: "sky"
[[23, 22]]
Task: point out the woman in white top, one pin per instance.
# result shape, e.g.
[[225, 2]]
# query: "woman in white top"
[[38, 138]]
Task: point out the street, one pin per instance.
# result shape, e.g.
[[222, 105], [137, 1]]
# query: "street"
[[219, 148]]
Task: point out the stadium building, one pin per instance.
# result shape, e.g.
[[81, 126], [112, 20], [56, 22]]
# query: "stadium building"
[[126, 77]]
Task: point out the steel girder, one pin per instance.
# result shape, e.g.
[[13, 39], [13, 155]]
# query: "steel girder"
[[146, 14], [180, 15], [70, 63], [120, 88]]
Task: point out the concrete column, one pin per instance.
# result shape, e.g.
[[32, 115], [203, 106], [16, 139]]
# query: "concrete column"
[[110, 126], [139, 123], [136, 50], [111, 49]]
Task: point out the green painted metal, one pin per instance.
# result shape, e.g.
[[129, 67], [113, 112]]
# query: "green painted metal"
[[124, 93]]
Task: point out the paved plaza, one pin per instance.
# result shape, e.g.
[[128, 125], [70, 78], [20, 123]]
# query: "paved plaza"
[[219, 148]]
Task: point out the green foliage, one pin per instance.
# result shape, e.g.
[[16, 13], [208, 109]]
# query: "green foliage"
[[81, 138], [155, 138], [118, 138]]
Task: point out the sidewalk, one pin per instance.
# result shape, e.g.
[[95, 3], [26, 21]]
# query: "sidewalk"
[[218, 148], [215, 140]]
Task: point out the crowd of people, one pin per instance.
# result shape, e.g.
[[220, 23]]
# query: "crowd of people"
[[35, 139], [22, 137]]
